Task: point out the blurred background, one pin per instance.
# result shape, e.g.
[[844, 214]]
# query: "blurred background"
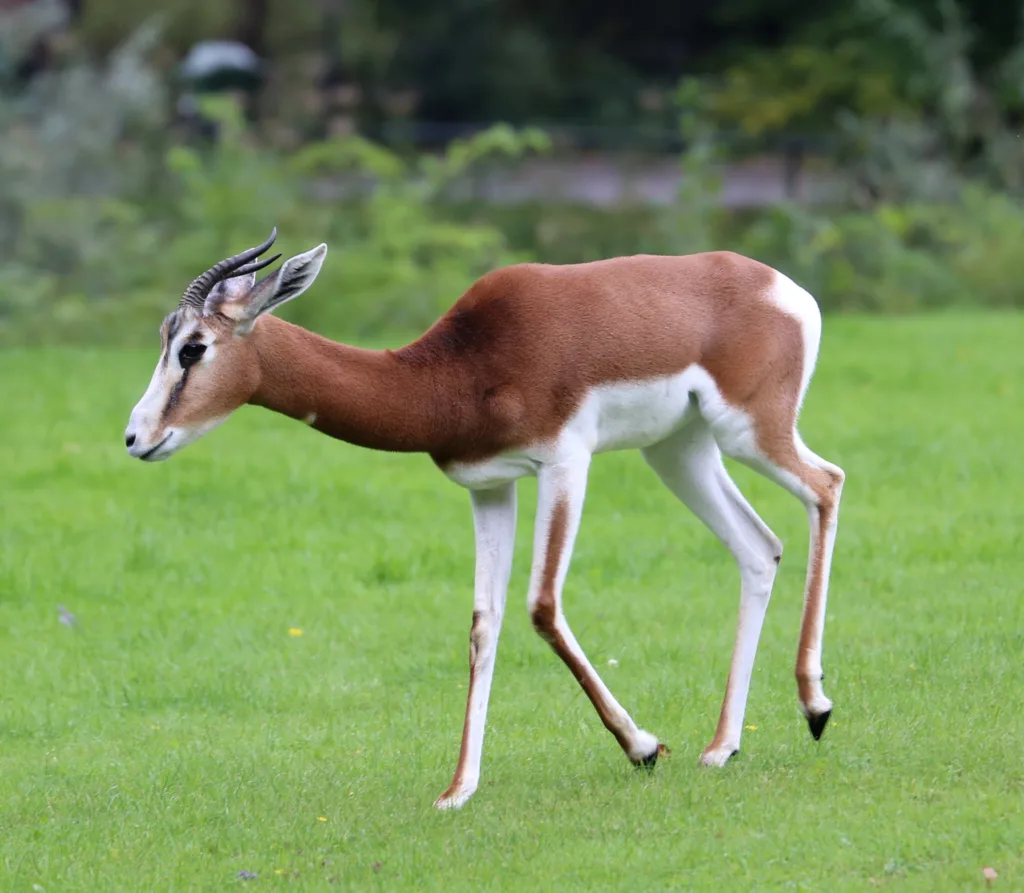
[[869, 148]]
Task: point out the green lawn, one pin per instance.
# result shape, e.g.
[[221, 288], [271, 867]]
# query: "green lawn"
[[181, 732]]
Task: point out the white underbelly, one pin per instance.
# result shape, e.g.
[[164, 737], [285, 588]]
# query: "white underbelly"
[[633, 415], [620, 416]]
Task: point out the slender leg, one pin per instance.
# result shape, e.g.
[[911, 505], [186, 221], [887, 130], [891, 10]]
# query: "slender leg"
[[818, 485], [690, 465], [494, 522], [560, 494], [825, 480]]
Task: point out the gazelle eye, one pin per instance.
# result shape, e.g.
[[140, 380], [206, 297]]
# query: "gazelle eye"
[[190, 353]]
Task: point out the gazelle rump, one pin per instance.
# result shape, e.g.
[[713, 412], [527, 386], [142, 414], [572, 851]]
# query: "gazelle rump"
[[533, 371]]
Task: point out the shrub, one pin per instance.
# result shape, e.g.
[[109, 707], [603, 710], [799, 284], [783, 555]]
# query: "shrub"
[[101, 245], [100, 233]]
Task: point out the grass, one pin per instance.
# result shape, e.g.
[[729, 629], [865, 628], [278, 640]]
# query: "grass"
[[180, 732]]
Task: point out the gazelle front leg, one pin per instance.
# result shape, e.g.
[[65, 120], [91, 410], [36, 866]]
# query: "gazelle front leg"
[[494, 522], [560, 494]]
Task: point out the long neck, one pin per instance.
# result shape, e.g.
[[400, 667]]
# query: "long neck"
[[369, 398]]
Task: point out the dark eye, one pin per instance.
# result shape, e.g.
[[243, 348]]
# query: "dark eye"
[[190, 353]]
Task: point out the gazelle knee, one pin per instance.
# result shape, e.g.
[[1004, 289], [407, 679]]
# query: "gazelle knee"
[[836, 479], [758, 574], [482, 634], [828, 489], [761, 564], [544, 615]]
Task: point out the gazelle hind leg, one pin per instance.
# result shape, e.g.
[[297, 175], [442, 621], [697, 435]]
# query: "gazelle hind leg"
[[825, 481], [690, 465], [560, 494], [782, 457]]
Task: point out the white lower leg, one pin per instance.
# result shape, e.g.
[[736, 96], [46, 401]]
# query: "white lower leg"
[[690, 465], [494, 515], [756, 589], [483, 650], [809, 672]]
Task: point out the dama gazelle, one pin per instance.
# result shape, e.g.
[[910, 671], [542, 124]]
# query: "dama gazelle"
[[532, 371]]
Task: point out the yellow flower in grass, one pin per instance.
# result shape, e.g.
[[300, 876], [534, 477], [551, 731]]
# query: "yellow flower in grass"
[[751, 728], [321, 818], [295, 631]]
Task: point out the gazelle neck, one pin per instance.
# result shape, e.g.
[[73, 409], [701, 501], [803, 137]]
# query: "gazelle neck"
[[370, 398]]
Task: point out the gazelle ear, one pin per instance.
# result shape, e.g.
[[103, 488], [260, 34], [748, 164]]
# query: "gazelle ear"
[[294, 276]]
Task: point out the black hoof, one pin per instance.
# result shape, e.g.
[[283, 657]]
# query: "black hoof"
[[648, 761], [817, 724]]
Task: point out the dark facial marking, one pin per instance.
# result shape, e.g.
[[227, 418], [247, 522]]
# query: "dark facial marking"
[[172, 401], [173, 324], [179, 386]]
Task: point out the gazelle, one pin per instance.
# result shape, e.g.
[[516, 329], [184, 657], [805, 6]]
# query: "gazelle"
[[534, 370]]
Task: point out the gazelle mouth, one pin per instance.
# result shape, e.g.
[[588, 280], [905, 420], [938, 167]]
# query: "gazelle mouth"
[[144, 456]]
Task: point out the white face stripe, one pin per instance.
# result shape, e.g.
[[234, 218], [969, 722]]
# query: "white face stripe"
[[147, 417], [150, 406]]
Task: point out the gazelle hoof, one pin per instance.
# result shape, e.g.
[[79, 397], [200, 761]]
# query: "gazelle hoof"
[[648, 762], [453, 799], [817, 723], [718, 756]]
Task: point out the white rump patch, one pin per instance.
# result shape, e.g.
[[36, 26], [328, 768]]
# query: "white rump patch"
[[797, 302]]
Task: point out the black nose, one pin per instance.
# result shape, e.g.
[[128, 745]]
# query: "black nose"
[[129, 440]]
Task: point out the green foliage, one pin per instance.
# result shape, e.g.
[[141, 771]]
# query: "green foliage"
[[400, 258], [74, 163], [395, 258], [899, 258], [690, 221], [932, 238], [931, 205], [787, 64], [87, 267], [101, 232], [799, 87], [854, 260], [291, 25]]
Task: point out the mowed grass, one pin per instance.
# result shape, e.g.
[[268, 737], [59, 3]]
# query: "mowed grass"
[[181, 732]]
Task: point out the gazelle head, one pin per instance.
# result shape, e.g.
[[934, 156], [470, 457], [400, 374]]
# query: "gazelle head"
[[208, 364]]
